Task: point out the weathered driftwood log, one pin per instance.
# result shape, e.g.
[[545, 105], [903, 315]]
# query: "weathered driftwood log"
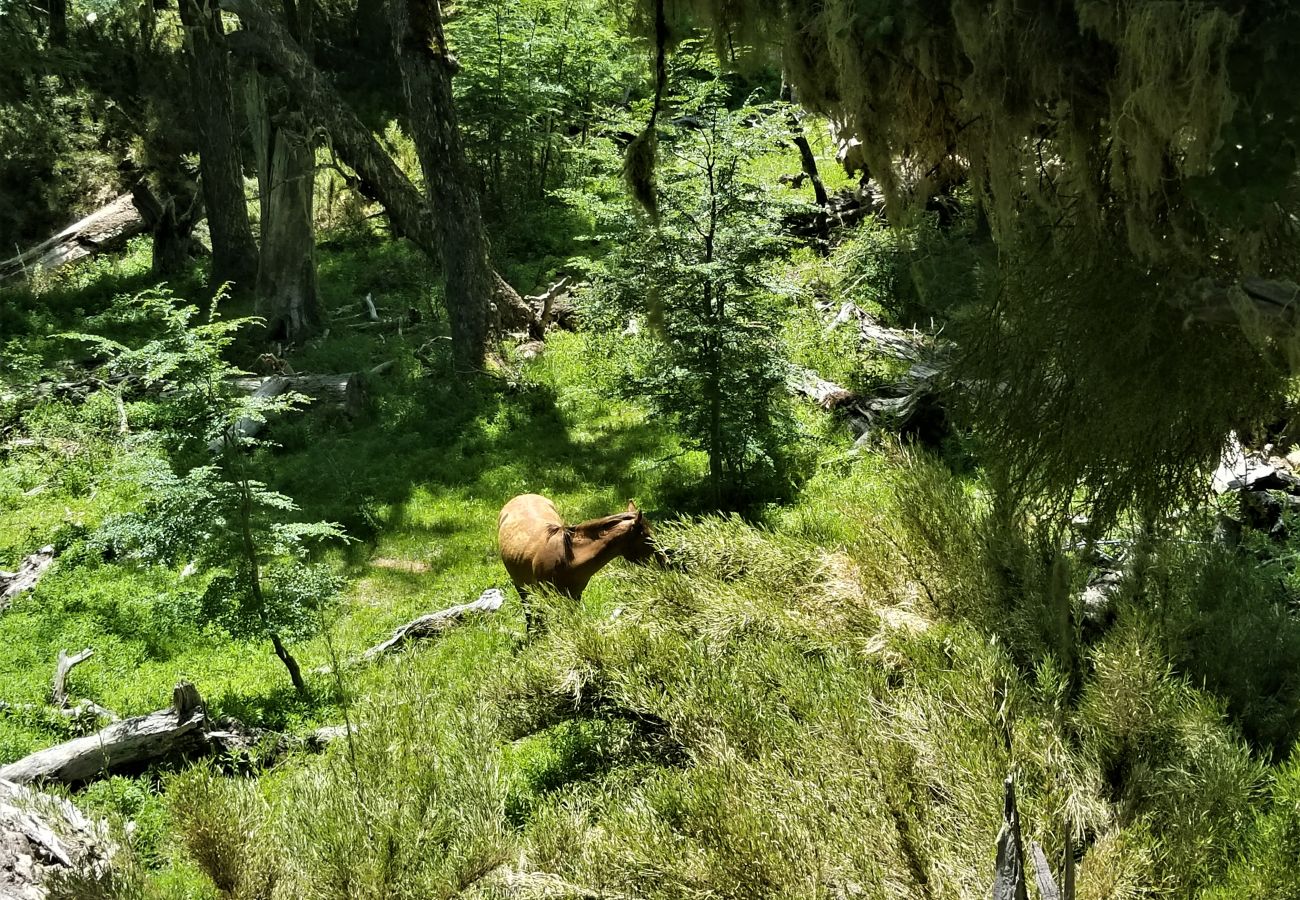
[[129, 742], [832, 398], [59, 691], [435, 623], [41, 835], [107, 228], [29, 572], [910, 405]]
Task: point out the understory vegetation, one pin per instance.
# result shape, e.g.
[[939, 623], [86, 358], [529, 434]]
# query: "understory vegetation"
[[865, 628]]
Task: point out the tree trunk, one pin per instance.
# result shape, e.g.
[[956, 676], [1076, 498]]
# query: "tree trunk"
[[171, 219], [266, 39], [806, 158], [286, 163], [58, 23], [427, 69], [286, 166], [234, 252], [295, 673]]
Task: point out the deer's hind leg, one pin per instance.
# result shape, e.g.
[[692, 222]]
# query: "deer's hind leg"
[[532, 622]]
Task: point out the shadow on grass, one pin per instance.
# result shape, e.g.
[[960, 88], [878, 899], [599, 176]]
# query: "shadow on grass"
[[477, 441]]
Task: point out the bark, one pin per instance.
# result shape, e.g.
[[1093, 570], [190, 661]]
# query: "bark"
[[1009, 881], [234, 252], [170, 214], [806, 158], [286, 166], [59, 23], [43, 836], [427, 68], [381, 180], [107, 228], [287, 296], [129, 742], [295, 672]]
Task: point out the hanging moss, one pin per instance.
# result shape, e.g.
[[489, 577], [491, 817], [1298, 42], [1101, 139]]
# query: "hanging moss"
[[1098, 111], [639, 169], [1122, 152]]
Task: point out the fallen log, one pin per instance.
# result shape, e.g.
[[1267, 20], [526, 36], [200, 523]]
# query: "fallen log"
[[107, 228], [129, 742], [29, 572], [435, 623], [41, 835], [832, 398], [910, 405], [237, 741], [348, 391]]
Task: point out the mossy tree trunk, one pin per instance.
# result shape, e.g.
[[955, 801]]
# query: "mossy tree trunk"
[[234, 252], [427, 69]]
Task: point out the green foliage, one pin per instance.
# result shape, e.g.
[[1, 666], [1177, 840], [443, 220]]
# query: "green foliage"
[[537, 80], [1267, 867], [707, 348], [218, 517]]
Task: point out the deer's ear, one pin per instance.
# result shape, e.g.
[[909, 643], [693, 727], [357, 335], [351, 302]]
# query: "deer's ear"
[[631, 506]]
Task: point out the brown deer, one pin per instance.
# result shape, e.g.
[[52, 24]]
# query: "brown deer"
[[538, 548]]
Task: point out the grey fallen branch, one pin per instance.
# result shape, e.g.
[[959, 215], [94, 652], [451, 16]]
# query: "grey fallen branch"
[[426, 626], [29, 572], [436, 623], [130, 742], [347, 391]]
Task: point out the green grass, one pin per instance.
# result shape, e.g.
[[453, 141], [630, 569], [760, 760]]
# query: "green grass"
[[818, 701]]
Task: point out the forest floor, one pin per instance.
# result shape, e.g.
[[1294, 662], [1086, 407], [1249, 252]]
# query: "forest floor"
[[821, 700]]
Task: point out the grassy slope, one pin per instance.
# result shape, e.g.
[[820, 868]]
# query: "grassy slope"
[[822, 707]]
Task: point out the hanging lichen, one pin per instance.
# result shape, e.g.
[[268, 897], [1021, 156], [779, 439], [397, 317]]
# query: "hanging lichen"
[[1125, 154], [639, 163], [1097, 110]]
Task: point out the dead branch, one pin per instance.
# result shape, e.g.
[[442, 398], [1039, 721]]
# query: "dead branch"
[[29, 572], [59, 693]]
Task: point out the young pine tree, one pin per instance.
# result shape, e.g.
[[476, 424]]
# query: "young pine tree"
[[707, 348]]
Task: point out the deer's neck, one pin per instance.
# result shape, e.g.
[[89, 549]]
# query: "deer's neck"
[[596, 545]]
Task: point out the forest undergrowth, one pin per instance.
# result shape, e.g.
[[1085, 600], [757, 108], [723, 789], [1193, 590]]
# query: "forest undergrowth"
[[821, 698]]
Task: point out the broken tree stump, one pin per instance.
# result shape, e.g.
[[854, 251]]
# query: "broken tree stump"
[[29, 572], [58, 691], [132, 741]]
